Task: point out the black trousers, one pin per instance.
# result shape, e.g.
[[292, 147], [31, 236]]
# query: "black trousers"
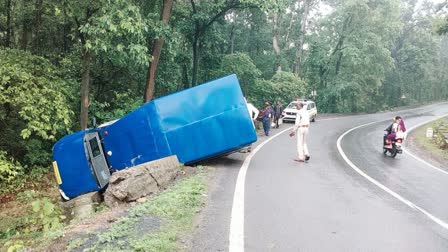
[[276, 121]]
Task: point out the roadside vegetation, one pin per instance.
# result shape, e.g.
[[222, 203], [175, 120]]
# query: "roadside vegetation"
[[436, 146], [155, 225]]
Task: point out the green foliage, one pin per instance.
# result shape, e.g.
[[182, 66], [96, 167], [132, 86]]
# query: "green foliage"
[[282, 87], [241, 65], [26, 196], [441, 133], [431, 145], [118, 106], [15, 246], [46, 216], [115, 28], [9, 168], [31, 90], [442, 26]]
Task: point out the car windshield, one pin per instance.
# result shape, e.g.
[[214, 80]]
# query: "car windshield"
[[292, 105]]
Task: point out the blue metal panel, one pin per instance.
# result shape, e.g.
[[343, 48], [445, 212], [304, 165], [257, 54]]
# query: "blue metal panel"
[[74, 168], [135, 138], [206, 120]]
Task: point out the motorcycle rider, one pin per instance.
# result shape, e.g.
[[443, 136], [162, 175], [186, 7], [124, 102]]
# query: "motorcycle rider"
[[396, 129]]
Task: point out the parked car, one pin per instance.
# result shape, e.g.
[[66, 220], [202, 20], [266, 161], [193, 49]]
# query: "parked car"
[[290, 112]]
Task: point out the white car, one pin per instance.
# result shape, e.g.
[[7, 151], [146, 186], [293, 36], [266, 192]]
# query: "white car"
[[290, 112]]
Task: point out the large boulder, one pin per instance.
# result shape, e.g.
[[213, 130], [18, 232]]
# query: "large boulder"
[[163, 170], [141, 180], [81, 207]]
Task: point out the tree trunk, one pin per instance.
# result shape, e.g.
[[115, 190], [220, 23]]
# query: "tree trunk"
[[37, 24], [194, 76], [26, 29], [25, 33], [9, 31], [275, 44], [338, 63], [156, 51], [232, 39], [301, 40], [186, 80], [86, 58]]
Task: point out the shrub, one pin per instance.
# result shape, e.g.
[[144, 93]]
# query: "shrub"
[[46, 216], [9, 168]]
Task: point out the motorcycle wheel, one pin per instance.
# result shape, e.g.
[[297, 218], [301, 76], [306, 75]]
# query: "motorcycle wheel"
[[384, 151], [393, 152]]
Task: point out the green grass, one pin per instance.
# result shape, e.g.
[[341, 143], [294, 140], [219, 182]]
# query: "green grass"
[[175, 207], [427, 143]]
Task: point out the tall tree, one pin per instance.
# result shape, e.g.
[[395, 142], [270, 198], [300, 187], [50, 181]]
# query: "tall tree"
[[156, 50], [103, 27], [305, 6], [204, 15], [9, 22]]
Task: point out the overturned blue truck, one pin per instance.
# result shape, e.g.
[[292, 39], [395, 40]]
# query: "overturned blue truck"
[[202, 122]]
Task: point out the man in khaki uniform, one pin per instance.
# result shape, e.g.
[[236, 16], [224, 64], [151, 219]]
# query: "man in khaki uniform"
[[300, 129]]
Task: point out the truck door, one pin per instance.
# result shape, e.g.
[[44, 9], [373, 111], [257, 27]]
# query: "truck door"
[[97, 158]]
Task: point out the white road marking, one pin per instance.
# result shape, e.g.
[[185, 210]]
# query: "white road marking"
[[381, 186], [236, 234], [419, 159]]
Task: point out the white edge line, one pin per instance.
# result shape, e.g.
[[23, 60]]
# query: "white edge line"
[[381, 186], [419, 159], [236, 235]]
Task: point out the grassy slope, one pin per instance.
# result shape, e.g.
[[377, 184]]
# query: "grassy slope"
[[427, 144], [155, 225], [175, 209]]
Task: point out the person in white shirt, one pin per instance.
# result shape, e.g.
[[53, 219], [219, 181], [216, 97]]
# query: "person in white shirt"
[[300, 129], [253, 111]]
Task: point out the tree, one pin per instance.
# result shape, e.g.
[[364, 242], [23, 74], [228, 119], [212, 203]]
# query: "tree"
[[443, 26], [156, 50], [241, 65], [104, 27], [33, 104], [350, 58]]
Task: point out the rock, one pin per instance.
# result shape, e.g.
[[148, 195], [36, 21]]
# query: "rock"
[[141, 200], [129, 185], [163, 170], [82, 206], [139, 181]]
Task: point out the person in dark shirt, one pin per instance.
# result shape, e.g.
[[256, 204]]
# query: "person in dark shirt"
[[278, 108], [267, 115]]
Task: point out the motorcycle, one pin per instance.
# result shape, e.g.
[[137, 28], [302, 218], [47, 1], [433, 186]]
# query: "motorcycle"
[[394, 147]]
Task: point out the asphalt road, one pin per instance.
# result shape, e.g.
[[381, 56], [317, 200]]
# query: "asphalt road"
[[327, 205]]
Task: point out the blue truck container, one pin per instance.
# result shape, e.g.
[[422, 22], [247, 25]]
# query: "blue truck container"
[[205, 121]]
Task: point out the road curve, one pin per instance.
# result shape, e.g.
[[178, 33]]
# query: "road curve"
[[325, 205]]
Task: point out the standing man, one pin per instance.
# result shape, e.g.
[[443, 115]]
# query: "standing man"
[[253, 111], [267, 118], [277, 113], [301, 128]]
